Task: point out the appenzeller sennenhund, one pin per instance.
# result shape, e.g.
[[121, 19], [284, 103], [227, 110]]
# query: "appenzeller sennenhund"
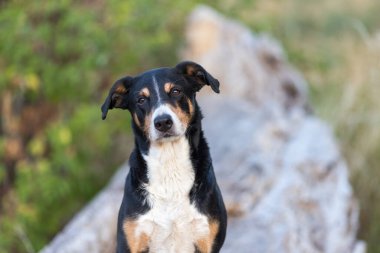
[[172, 202]]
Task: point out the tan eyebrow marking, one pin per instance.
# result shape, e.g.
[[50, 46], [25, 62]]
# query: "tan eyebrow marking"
[[144, 92], [168, 87]]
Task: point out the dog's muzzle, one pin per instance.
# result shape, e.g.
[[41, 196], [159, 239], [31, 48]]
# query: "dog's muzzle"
[[165, 124]]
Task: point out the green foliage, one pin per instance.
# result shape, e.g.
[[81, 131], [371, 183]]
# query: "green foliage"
[[51, 187], [58, 58], [47, 57]]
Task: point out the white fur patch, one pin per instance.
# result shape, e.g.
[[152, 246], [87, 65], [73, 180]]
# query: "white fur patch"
[[178, 127], [155, 84], [173, 224]]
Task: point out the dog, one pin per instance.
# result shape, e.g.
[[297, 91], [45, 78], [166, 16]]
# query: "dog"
[[172, 202]]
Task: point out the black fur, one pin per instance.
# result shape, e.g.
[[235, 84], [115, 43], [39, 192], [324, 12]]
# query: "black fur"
[[205, 194]]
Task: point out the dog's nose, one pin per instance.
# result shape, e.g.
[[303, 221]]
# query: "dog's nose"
[[163, 122]]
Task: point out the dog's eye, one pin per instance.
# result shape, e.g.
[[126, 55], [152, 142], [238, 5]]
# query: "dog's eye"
[[175, 92], [141, 100]]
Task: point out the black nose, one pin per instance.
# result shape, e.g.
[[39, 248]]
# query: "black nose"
[[163, 123]]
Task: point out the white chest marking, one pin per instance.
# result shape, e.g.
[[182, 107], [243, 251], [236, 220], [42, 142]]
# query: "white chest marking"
[[173, 224]]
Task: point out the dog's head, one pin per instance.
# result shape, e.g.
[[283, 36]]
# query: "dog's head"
[[161, 101]]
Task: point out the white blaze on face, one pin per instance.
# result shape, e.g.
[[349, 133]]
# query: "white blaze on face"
[[178, 128], [157, 90]]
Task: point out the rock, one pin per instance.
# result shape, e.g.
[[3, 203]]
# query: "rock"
[[283, 179], [282, 176], [93, 229]]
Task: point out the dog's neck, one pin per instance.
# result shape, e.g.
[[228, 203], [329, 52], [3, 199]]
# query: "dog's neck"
[[170, 171], [193, 143]]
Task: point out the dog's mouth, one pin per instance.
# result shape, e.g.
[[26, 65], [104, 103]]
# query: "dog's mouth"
[[166, 137]]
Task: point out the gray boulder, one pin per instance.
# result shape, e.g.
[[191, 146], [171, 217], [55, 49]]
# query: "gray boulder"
[[283, 179]]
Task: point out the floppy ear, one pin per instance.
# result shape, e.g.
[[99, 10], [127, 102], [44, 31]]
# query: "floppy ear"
[[117, 96], [198, 74]]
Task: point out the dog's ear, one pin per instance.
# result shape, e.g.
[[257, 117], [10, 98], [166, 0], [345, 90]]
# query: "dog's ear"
[[117, 96], [198, 74]]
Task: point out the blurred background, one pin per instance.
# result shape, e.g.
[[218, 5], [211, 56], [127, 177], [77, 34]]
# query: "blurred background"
[[59, 58]]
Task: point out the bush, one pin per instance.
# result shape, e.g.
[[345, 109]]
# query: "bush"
[[58, 59]]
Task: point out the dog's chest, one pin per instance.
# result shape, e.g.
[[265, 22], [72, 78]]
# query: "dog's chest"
[[172, 224], [170, 171]]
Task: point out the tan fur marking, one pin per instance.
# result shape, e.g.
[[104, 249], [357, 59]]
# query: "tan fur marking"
[[120, 89], [182, 116], [168, 87], [145, 92], [191, 106], [205, 244], [190, 70], [147, 122], [136, 119], [136, 243]]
